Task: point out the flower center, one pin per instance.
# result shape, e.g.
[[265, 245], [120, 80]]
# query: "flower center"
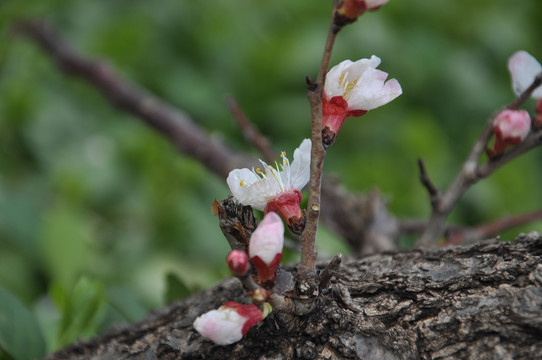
[[347, 85]]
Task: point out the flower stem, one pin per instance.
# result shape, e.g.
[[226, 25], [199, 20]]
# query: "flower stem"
[[308, 237]]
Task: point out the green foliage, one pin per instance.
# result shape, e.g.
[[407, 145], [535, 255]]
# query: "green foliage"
[[102, 220], [20, 335], [175, 288]]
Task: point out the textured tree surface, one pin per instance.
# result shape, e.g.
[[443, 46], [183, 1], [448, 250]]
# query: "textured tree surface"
[[482, 301]]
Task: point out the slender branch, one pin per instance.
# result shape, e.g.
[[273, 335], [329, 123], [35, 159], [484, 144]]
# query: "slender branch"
[[485, 231], [456, 235], [524, 96], [532, 140], [472, 171], [433, 191], [250, 131], [308, 237], [176, 126]]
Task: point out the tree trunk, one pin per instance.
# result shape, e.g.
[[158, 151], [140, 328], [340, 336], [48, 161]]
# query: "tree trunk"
[[482, 301]]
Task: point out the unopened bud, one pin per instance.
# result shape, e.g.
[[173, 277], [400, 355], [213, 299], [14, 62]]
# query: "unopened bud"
[[265, 249], [229, 323], [238, 262], [288, 204], [510, 128], [349, 10]]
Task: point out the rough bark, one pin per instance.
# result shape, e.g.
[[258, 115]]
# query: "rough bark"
[[482, 301]]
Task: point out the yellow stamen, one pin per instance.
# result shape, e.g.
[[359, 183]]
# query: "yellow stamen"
[[243, 183]]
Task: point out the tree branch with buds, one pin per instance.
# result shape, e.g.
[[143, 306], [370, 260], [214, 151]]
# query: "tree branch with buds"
[[516, 124]]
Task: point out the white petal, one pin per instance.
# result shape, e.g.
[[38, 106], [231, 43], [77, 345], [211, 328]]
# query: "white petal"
[[523, 69], [250, 189], [254, 190], [300, 170], [371, 91], [223, 326], [333, 86], [357, 69], [371, 4]]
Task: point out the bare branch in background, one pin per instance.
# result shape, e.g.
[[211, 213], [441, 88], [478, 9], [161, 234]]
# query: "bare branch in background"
[[250, 131], [472, 172], [175, 125], [469, 235]]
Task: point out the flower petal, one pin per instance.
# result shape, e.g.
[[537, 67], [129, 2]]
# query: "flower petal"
[[333, 85], [371, 91], [300, 168], [250, 189], [223, 326], [524, 68]]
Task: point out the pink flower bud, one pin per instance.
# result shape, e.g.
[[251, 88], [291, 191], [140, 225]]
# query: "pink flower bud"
[[351, 9], [238, 262], [352, 89], [510, 128], [229, 323], [288, 204], [265, 249]]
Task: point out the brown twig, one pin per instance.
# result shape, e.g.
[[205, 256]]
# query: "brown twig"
[[464, 236], [434, 193], [250, 131], [308, 237], [472, 171], [456, 235], [176, 126]]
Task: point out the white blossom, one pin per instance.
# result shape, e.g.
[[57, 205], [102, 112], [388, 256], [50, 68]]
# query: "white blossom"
[[361, 84], [257, 187]]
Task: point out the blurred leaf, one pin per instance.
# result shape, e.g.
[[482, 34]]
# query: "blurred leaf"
[[65, 243], [20, 335], [126, 303], [176, 289], [4, 355], [81, 310]]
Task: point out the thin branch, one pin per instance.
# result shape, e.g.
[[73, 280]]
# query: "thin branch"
[[434, 193], [472, 171], [485, 231], [176, 126], [456, 235], [524, 96], [250, 131], [308, 237]]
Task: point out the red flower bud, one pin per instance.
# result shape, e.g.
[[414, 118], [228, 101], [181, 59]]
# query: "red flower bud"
[[288, 204], [238, 262], [349, 10]]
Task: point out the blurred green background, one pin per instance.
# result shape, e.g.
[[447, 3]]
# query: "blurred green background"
[[102, 220]]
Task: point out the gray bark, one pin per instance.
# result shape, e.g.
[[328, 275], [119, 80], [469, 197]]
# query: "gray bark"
[[482, 301]]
